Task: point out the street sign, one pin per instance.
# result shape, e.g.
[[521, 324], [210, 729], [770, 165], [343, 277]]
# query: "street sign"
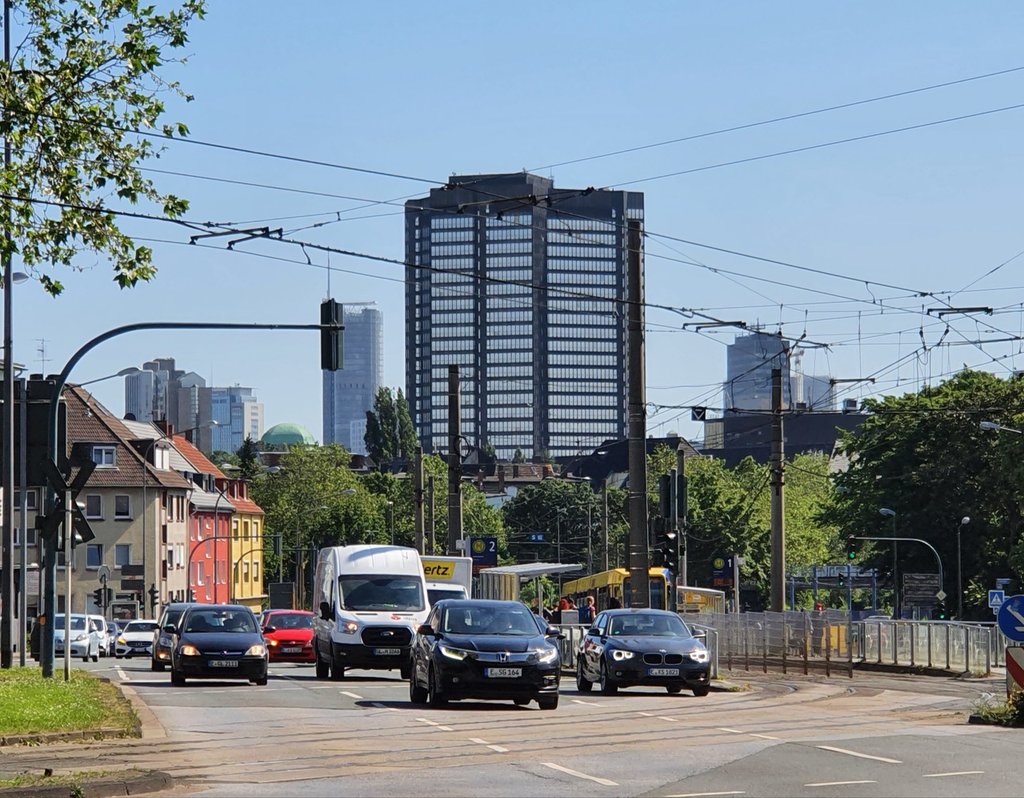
[[941, 595], [1014, 669], [484, 552], [1011, 618], [996, 598], [921, 590]]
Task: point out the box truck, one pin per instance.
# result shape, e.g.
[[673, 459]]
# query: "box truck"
[[448, 577]]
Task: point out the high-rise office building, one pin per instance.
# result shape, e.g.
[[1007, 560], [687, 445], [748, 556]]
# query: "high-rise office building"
[[238, 415], [748, 386], [350, 391], [520, 285]]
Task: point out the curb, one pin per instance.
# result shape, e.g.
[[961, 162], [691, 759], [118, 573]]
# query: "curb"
[[146, 782], [146, 726], [62, 737]]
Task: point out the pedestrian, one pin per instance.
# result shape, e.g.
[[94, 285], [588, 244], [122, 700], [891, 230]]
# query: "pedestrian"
[[587, 611], [817, 627], [35, 638], [614, 603]]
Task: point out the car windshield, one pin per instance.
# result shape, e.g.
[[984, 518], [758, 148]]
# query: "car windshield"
[[141, 626], [289, 620], [647, 625], [381, 593], [77, 624], [479, 620], [220, 622]]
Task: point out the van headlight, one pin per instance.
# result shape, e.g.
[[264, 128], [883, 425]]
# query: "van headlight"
[[452, 653], [349, 627], [619, 654], [699, 655]]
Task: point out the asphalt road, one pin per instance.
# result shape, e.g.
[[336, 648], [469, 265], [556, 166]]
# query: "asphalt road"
[[777, 736]]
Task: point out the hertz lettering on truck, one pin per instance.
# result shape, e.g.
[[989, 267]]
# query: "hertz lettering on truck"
[[438, 570]]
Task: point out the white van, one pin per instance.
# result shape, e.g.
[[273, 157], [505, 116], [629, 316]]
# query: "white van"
[[368, 602]]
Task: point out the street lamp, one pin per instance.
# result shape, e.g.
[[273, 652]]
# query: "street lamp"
[[959, 571], [895, 579], [993, 426], [126, 372]]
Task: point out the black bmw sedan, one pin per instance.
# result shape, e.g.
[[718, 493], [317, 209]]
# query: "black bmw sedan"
[[218, 641], [478, 648], [641, 647]]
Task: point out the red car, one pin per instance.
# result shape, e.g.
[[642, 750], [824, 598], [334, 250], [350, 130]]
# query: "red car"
[[289, 635]]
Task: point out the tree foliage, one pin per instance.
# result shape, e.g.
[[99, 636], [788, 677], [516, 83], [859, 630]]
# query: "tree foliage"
[[79, 97], [389, 430]]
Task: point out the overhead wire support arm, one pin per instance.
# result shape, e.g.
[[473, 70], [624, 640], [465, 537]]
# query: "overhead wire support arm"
[[953, 311]]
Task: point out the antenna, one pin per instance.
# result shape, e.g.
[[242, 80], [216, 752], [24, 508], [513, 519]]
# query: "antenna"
[[41, 349]]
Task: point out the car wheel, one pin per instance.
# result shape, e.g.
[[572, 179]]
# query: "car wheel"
[[417, 694], [583, 684], [520, 702], [434, 695], [673, 689], [548, 701], [608, 687], [323, 669], [154, 665], [701, 691], [337, 671], [177, 679], [404, 672], [262, 682], [85, 658], [96, 656]]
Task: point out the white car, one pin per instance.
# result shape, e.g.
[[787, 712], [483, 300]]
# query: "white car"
[[85, 637], [136, 639], [101, 624]]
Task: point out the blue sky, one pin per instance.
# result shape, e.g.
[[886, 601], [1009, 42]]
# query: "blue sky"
[[428, 89]]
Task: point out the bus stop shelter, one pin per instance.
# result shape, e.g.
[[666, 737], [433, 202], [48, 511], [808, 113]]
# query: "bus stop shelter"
[[503, 582]]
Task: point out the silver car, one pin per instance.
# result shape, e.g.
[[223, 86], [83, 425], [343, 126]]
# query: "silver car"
[[85, 637]]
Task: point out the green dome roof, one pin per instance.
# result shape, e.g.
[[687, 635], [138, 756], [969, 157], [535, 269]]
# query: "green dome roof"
[[287, 435]]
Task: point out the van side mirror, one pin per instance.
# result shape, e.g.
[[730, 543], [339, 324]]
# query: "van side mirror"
[[326, 611]]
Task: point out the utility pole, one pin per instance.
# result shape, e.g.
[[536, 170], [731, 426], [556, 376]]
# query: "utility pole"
[[639, 553], [681, 506], [430, 516], [454, 461], [417, 492], [604, 519], [778, 542]]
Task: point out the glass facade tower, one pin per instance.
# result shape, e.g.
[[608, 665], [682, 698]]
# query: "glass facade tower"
[[349, 392]]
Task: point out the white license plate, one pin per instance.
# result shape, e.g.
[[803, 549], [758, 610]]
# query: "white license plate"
[[663, 671], [291, 650], [223, 663], [504, 673], [387, 652]]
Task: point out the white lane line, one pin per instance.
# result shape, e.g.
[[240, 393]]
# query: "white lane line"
[[698, 794], [352, 695], [861, 756], [955, 773], [123, 675], [577, 774], [381, 706], [497, 748], [665, 717], [838, 783], [763, 736], [434, 723], [647, 714], [731, 731], [587, 703]]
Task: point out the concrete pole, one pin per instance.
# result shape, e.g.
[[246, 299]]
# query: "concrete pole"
[[684, 504], [454, 460], [69, 532], [23, 539], [604, 519], [639, 555], [417, 492], [778, 535]]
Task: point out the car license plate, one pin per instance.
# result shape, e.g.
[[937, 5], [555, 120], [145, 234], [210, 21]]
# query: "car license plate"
[[504, 673], [387, 652], [223, 663], [663, 672], [291, 650]]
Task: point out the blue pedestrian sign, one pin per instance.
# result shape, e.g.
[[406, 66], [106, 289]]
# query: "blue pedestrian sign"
[[996, 598], [1011, 618]]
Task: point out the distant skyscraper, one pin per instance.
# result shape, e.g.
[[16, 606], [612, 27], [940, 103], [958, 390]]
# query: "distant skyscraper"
[[749, 363], [238, 415], [349, 392], [522, 294]]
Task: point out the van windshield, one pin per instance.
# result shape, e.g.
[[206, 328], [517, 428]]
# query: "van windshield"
[[381, 593]]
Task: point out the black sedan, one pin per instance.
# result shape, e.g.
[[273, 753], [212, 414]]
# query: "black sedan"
[[476, 648], [641, 647], [218, 641]]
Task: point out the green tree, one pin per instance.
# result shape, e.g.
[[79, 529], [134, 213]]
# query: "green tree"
[[382, 428], [407, 442], [558, 510], [248, 457], [83, 83]]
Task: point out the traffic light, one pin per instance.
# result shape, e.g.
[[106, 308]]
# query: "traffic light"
[[154, 594], [940, 612], [665, 495], [851, 548], [97, 596], [666, 546], [331, 346]]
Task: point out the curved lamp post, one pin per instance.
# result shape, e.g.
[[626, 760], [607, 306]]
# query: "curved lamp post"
[[895, 581]]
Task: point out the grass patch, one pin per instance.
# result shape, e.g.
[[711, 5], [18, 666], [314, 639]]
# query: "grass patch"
[[30, 704], [71, 777], [1002, 713]]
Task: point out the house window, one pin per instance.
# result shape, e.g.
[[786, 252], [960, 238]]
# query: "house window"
[[30, 537], [94, 506], [169, 562], [122, 506], [255, 571], [31, 500], [245, 570], [104, 456], [199, 573], [94, 555], [122, 554]]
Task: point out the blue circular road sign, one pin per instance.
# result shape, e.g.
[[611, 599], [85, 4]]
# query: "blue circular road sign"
[[1011, 618]]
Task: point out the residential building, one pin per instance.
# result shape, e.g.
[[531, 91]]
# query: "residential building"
[[520, 285], [349, 392], [246, 549], [239, 415]]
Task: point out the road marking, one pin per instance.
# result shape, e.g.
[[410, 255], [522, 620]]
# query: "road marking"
[[861, 756], [731, 731], [352, 695], [381, 706], [838, 783], [434, 723], [698, 794], [586, 703], [123, 675], [577, 774], [955, 773], [763, 736], [664, 717], [647, 714], [497, 748]]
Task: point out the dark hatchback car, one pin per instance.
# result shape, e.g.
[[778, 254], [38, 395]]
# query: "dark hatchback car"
[[163, 642], [218, 641], [477, 648], [629, 647]]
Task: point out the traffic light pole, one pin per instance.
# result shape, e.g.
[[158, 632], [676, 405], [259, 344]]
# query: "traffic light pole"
[[69, 533], [941, 595]]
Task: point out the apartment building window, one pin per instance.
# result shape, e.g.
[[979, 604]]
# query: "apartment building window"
[[245, 570], [104, 456], [94, 555], [199, 573], [122, 554], [122, 507], [31, 500], [94, 506], [255, 570]]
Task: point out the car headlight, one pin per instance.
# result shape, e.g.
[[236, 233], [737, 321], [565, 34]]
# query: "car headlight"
[[452, 653], [258, 650], [122, 641], [78, 638], [549, 654], [189, 651], [619, 654], [349, 627], [699, 655], [164, 641], [272, 642]]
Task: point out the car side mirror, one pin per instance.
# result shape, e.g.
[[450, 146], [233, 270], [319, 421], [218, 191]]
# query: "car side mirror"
[[552, 631], [171, 629], [426, 630], [700, 634], [269, 630], [326, 611]]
